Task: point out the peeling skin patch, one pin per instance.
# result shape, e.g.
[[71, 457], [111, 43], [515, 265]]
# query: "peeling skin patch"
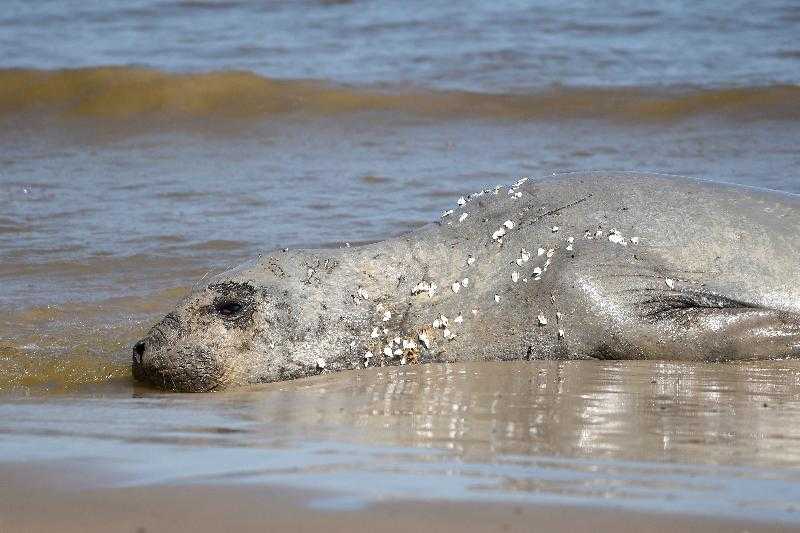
[[616, 237], [424, 340], [425, 287]]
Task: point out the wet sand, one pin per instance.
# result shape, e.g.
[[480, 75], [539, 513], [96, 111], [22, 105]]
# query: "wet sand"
[[30, 503], [612, 444]]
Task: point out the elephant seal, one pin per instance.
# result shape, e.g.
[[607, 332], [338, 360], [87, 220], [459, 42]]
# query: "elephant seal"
[[574, 266]]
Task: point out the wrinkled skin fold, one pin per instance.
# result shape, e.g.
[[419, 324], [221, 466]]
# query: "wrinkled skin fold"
[[576, 266]]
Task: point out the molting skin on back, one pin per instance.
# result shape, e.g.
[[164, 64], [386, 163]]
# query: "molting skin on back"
[[576, 266]]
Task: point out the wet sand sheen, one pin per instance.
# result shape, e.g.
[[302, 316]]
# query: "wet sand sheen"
[[679, 438], [737, 414], [203, 508]]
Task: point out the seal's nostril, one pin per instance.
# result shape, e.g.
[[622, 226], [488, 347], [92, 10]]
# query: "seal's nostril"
[[138, 350]]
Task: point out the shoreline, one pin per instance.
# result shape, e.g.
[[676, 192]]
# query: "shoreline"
[[27, 489]]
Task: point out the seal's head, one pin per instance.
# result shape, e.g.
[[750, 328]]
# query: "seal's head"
[[256, 323], [192, 348]]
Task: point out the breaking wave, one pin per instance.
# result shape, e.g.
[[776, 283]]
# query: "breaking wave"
[[126, 93]]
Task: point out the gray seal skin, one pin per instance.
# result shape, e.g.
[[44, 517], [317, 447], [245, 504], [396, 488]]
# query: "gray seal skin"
[[575, 266]]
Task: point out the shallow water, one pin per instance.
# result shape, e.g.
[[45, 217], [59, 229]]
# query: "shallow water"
[[144, 146], [703, 439], [497, 46]]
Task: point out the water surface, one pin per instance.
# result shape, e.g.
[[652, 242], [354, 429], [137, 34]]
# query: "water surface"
[[698, 439]]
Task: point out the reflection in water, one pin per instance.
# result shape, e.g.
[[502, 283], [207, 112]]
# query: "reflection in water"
[[743, 414], [680, 437]]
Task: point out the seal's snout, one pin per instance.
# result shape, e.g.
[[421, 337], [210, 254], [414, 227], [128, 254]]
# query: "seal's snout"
[[138, 360], [169, 357]]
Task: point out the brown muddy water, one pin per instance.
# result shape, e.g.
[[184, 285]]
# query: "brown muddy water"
[[148, 144]]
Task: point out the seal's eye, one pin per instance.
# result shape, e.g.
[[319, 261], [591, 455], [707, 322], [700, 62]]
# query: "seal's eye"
[[229, 308]]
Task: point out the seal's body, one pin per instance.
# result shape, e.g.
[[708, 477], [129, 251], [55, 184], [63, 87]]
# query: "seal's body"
[[577, 266]]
